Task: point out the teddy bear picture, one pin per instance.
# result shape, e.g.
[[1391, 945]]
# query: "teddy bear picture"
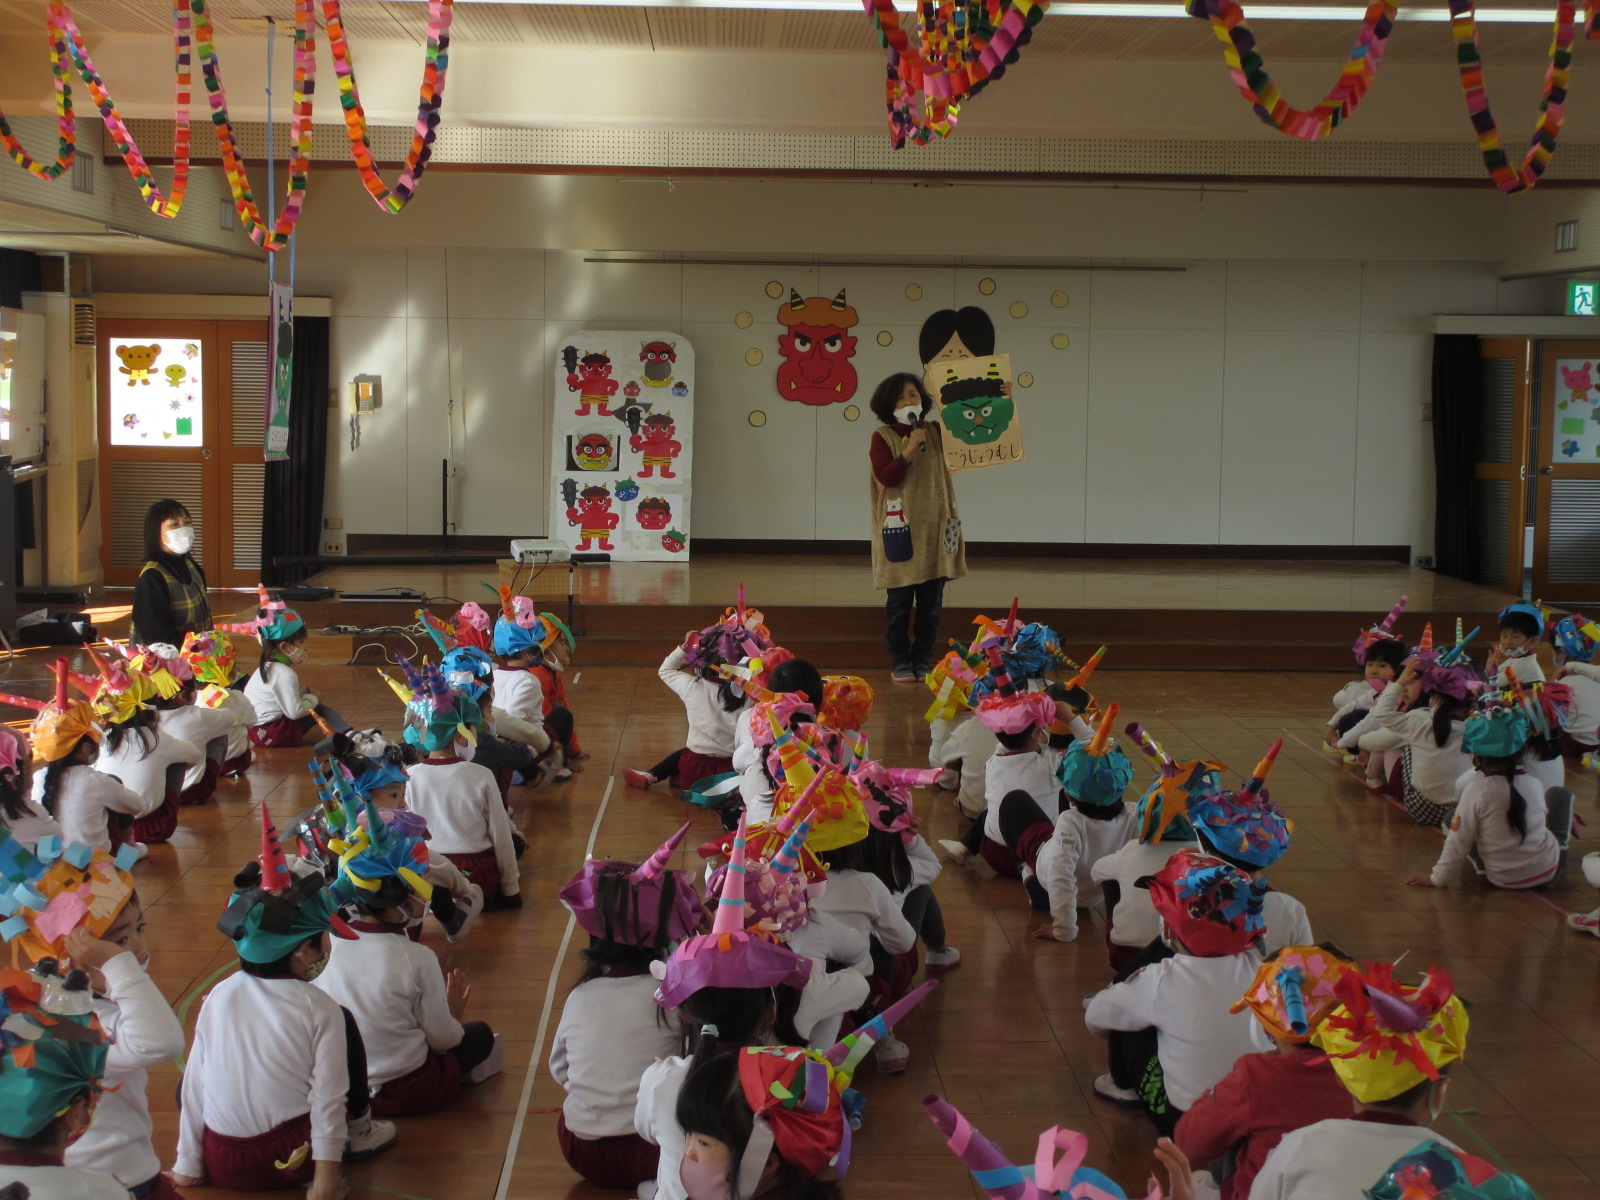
[[138, 362]]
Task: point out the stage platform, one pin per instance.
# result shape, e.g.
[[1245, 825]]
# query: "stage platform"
[[1170, 614]]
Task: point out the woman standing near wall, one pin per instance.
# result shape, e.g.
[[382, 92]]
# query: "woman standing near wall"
[[916, 534], [170, 597]]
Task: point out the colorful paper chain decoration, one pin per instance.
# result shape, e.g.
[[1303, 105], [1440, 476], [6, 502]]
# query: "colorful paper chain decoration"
[[960, 48], [1256, 86], [192, 25]]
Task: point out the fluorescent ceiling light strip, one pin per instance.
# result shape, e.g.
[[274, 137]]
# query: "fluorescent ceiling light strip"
[[1255, 14]]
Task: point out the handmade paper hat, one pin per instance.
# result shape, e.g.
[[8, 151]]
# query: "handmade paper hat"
[[1456, 653], [210, 656], [1387, 1037], [1382, 631], [1546, 704], [953, 680], [380, 773], [1254, 832], [773, 842], [166, 672], [1047, 1178], [435, 715], [47, 894], [1458, 680], [556, 629], [730, 955], [1215, 909], [53, 1048], [1433, 1171], [1094, 771], [61, 723], [1294, 991], [1532, 611], [887, 792], [468, 670], [1576, 637], [635, 904], [472, 626], [278, 902], [1034, 651], [780, 710], [776, 902], [714, 646], [1163, 807], [13, 749], [275, 621], [815, 763], [380, 865], [511, 636], [1016, 712], [1497, 732], [846, 702], [1424, 651], [120, 703]]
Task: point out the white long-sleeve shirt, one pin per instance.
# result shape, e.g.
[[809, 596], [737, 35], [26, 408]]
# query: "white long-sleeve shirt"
[[711, 727], [611, 1030], [1287, 923], [1185, 999], [1336, 1160], [824, 939], [465, 814], [148, 775], [197, 726], [1525, 664], [278, 695], [1583, 723], [85, 797], [1480, 819], [969, 745], [1134, 921], [64, 1183], [143, 1033], [925, 866], [1065, 866], [238, 706], [860, 901], [33, 824], [517, 693], [395, 990], [1359, 694], [265, 1052], [655, 1117], [1434, 768], [1010, 771]]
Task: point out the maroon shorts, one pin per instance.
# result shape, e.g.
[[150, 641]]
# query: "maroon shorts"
[[482, 868], [202, 791], [157, 826], [1573, 748], [433, 1085], [234, 767], [277, 734], [694, 767], [1033, 837], [250, 1164], [621, 1162], [158, 1188], [998, 855]]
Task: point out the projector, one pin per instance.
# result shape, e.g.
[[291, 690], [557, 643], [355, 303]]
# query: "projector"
[[539, 550]]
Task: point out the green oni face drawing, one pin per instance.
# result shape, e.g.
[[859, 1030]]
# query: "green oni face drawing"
[[975, 411]]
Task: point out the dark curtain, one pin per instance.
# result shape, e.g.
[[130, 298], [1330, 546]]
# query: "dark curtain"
[[19, 272], [291, 520], [1457, 391]]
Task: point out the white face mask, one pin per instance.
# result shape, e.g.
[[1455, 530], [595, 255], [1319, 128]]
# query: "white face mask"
[[178, 541], [908, 416]]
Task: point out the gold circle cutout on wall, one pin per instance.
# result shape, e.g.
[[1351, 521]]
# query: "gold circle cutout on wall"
[[743, 320], [987, 286], [1025, 379], [913, 291], [885, 338], [1059, 299], [757, 418], [1018, 309], [852, 413], [774, 289], [1061, 341], [753, 357]]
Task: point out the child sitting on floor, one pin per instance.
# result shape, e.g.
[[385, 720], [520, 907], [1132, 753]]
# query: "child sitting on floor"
[[211, 657], [1521, 640], [611, 1028], [1019, 766], [1437, 697], [559, 646], [1238, 1122], [1575, 646], [150, 761], [1381, 660], [178, 716], [284, 709], [1172, 1035], [21, 816], [714, 705], [518, 698], [800, 695]]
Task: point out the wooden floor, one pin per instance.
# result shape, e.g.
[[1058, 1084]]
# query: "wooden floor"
[[1003, 1036]]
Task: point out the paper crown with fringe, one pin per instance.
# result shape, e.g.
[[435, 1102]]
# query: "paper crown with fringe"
[[1007, 708], [1431, 1170], [275, 621], [1387, 1037], [1049, 1177], [162, 666], [211, 656], [1163, 809], [952, 680], [1244, 825], [1546, 703], [47, 893], [62, 722], [635, 904], [1496, 731], [278, 903], [730, 955], [1576, 637], [380, 862], [1294, 991], [1094, 770], [1382, 631], [52, 1048], [1213, 908]]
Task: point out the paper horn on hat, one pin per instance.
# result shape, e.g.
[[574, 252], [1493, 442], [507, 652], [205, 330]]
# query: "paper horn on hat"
[[846, 1055], [657, 862], [800, 810], [730, 904], [1002, 1179], [1151, 747], [1386, 626], [1011, 620], [444, 700], [61, 672], [1457, 652], [1101, 742], [1426, 645], [274, 866], [1252, 786], [23, 702], [1460, 625], [395, 686], [788, 856], [507, 608], [436, 629], [1081, 679]]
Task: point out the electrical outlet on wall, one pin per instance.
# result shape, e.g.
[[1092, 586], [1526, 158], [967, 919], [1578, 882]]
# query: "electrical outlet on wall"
[[1425, 561], [333, 546]]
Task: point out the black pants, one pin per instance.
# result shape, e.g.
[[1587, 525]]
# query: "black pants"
[[667, 768], [928, 599], [358, 1100], [476, 1042], [502, 754], [1132, 1058], [559, 724], [922, 912], [1019, 812]]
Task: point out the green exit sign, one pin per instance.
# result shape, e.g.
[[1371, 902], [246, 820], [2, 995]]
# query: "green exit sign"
[[1583, 299]]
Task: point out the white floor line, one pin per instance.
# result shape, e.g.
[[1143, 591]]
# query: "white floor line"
[[577, 679], [544, 1020]]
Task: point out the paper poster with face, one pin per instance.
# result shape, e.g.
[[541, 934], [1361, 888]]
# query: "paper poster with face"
[[816, 348], [973, 401], [622, 444], [1575, 436]]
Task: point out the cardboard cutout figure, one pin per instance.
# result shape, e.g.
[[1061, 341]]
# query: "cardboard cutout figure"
[[816, 367]]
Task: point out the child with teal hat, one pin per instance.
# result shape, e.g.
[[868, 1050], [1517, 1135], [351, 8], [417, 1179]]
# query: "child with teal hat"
[[285, 710]]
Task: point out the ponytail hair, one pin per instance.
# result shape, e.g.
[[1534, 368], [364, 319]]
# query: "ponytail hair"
[[140, 725], [1447, 711], [55, 773]]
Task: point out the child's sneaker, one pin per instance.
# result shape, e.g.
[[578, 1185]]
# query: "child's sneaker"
[[957, 853], [893, 1055], [562, 775], [140, 849], [1120, 1096], [1330, 748], [463, 915], [367, 1136], [1585, 922], [1352, 760], [491, 1066], [947, 959], [638, 779], [1038, 898], [903, 673]]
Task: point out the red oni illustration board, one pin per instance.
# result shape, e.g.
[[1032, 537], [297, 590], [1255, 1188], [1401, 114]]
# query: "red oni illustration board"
[[815, 349], [622, 443]]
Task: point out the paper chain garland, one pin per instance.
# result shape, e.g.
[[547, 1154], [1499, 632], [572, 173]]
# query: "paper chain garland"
[[193, 31]]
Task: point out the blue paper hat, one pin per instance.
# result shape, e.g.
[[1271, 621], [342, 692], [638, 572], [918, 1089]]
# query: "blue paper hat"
[[436, 715], [1526, 609], [1252, 830], [1572, 641], [379, 865], [1098, 780], [382, 773], [511, 638], [1497, 732], [468, 670]]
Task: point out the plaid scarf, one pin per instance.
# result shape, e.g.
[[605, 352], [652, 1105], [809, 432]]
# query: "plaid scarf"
[[186, 598]]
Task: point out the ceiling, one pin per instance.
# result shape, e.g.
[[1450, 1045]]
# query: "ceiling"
[[26, 228], [666, 28]]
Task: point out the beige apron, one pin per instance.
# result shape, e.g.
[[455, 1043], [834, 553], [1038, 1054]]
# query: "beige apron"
[[927, 502]]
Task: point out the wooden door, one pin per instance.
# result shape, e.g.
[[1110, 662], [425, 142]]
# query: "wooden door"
[[1500, 458], [182, 407], [1566, 457]]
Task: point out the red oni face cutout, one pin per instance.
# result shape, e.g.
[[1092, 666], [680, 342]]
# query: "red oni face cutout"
[[594, 366], [816, 350], [594, 502], [593, 452], [654, 513]]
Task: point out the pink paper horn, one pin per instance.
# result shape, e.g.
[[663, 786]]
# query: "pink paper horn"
[[1004, 1179], [1387, 624], [1011, 619], [881, 1024], [790, 819], [657, 862], [730, 905]]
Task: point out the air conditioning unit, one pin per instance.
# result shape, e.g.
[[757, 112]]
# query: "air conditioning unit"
[[72, 441]]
